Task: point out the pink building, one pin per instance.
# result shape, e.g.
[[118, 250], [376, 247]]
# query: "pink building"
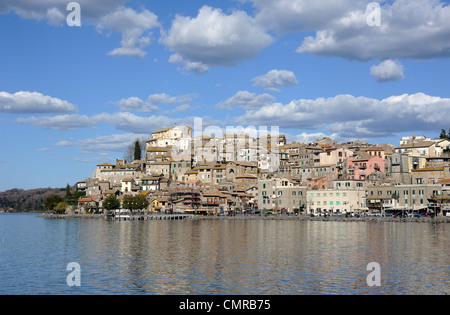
[[362, 165], [317, 183]]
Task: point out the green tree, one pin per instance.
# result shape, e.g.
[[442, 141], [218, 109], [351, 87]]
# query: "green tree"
[[52, 201], [135, 203], [111, 203], [72, 200], [128, 202], [443, 134], [68, 193], [61, 207], [140, 202], [137, 150]]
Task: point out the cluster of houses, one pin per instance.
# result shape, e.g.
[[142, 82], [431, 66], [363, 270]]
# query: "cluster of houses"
[[236, 173]]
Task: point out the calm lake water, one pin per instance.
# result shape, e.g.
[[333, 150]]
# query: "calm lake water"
[[221, 257]]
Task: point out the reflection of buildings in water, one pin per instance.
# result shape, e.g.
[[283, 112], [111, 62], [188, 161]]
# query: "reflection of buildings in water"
[[273, 257]]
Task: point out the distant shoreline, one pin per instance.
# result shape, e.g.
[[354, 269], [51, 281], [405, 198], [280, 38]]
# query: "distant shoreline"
[[272, 218]]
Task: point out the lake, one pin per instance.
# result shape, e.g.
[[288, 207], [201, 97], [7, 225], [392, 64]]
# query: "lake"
[[221, 257]]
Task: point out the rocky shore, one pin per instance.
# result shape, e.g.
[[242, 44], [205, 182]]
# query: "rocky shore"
[[275, 217]]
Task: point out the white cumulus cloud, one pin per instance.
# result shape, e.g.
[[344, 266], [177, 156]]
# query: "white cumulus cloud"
[[388, 70], [410, 29], [214, 38], [33, 103], [350, 116], [246, 100], [151, 104], [135, 29], [274, 79]]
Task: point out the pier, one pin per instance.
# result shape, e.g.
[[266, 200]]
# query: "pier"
[[158, 217], [170, 216]]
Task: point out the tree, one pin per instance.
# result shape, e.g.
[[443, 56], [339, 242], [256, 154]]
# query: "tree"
[[61, 207], [68, 193], [135, 203], [137, 150], [72, 199], [131, 153], [140, 202], [111, 203], [52, 201], [443, 134], [128, 202]]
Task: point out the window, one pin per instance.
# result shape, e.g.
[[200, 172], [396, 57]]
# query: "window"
[[294, 193]]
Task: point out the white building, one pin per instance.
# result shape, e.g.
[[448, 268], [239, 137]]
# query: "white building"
[[336, 201], [170, 137], [281, 194]]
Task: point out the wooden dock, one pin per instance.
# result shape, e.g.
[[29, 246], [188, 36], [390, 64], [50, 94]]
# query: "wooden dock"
[[170, 216], [158, 217]]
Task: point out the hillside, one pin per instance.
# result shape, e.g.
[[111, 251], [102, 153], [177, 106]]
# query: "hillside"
[[19, 200]]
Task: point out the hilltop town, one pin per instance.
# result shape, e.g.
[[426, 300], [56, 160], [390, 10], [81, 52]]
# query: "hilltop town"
[[238, 173]]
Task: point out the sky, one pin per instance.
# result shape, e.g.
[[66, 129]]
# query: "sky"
[[79, 83]]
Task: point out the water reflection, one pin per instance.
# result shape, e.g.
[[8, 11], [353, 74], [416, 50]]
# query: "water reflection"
[[262, 257], [222, 257]]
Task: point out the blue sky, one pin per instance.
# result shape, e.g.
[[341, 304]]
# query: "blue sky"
[[74, 97]]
